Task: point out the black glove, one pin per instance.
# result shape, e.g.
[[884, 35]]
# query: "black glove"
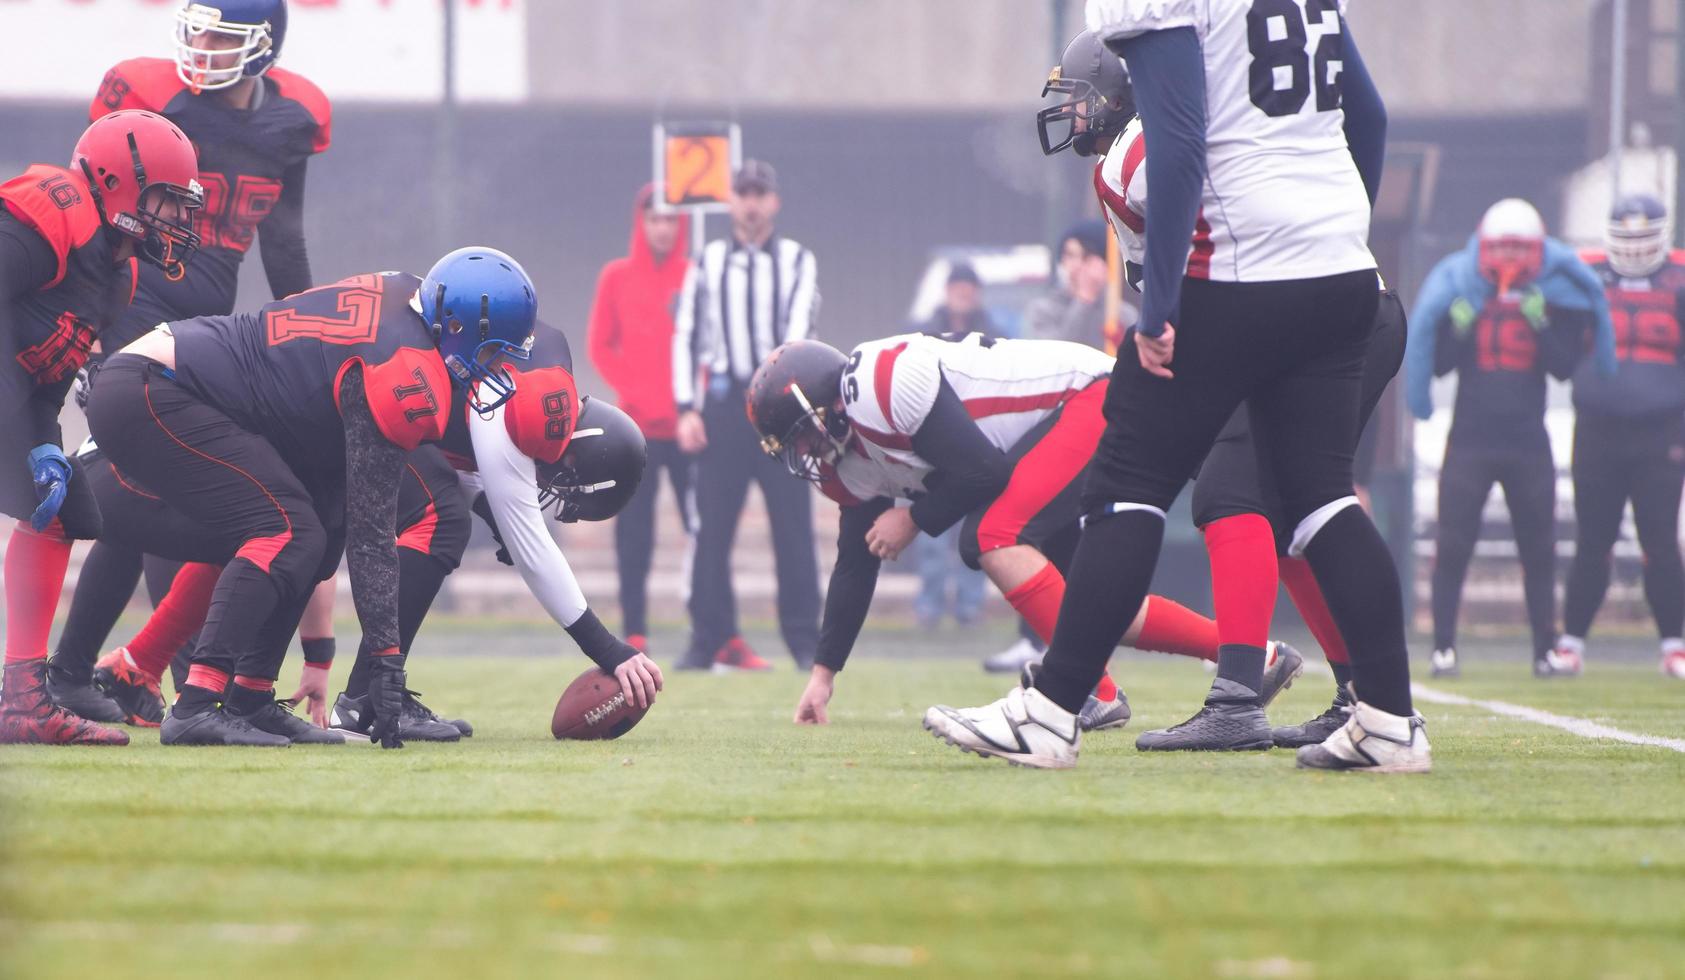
[[386, 700]]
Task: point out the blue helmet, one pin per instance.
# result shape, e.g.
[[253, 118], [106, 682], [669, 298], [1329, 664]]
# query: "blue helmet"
[[481, 307], [256, 29], [1638, 236]]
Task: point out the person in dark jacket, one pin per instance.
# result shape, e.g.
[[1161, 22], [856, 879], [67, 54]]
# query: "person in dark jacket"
[[631, 343]]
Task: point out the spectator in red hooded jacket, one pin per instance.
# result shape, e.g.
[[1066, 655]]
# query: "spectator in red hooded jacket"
[[631, 343]]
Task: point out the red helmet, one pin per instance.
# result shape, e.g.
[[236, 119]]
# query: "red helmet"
[[135, 162]]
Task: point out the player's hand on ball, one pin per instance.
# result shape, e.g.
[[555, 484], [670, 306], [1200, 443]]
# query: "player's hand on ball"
[[810, 710], [386, 700], [313, 692], [1156, 352], [891, 533], [639, 678]]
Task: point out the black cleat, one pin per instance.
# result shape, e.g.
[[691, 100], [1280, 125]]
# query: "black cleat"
[[1315, 731], [134, 692], [80, 697], [276, 718], [1230, 721], [215, 726], [414, 708], [351, 716]]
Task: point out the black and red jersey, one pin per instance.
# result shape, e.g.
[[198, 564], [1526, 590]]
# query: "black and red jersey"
[[55, 327], [1649, 379], [277, 372], [247, 157], [1501, 366]]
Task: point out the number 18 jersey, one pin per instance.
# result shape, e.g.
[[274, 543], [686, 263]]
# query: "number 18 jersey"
[[277, 371], [1282, 197]]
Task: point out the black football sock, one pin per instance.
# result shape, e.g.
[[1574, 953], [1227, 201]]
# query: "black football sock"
[[1242, 664], [108, 579], [1342, 674], [1356, 573], [1108, 582]]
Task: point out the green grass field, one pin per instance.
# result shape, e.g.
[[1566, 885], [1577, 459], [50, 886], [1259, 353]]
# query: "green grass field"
[[719, 840]]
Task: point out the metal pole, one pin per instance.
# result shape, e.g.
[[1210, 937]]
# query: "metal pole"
[[445, 231], [1679, 120], [1617, 97], [1054, 213]]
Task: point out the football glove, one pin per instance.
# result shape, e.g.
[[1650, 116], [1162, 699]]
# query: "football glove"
[[1463, 315], [85, 383], [1533, 308], [51, 473], [386, 700]]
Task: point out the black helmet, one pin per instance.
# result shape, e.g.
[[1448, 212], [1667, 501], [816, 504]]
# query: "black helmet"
[[795, 403], [1099, 94], [600, 469]]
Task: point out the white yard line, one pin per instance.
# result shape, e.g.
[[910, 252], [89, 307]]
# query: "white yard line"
[[1583, 727]]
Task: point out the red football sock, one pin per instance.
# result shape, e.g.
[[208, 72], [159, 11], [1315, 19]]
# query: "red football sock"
[[1170, 627], [34, 566], [1243, 578], [207, 679], [173, 622], [1106, 690], [1037, 599], [254, 683], [1307, 596]]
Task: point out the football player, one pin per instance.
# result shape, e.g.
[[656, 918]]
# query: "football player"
[[287, 430], [1257, 288], [1629, 430], [69, 243], [1234, 500], [1504, 312], [256, 126], [993, 435]]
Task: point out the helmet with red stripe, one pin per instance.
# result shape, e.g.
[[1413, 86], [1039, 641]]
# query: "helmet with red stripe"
[[143, 173], [1512, 243]]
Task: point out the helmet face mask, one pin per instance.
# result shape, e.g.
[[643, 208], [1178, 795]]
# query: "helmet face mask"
[[813, 443], [215, 50], [1638, 237]]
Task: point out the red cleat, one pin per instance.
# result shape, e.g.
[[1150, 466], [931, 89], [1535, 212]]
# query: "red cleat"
[[135, 692], [29, 717], [737, 655]]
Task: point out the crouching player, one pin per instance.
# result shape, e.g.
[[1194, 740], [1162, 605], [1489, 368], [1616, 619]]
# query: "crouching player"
[[69, 241], [287, 430], [994, 433]]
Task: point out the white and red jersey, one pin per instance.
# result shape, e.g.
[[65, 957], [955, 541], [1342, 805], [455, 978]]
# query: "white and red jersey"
[[1007, 386], [1120, 181], [1282, 197]]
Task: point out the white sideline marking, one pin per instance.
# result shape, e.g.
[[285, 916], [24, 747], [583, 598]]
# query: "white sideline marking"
[[1583, 727]]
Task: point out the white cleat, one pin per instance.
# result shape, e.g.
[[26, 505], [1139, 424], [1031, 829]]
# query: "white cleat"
[[1443, 663], [1372, 740], [1024, 728], [1561, 662], [1673, 659]]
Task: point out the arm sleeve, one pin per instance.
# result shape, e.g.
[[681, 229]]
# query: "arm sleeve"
[[686, 323], [373, 465], [853, 580], [1168, 72], [1366, 116], [804, 298], [281, 237], [602, 334], [970, 471]]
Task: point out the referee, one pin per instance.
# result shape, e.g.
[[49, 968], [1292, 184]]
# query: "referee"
[[742, 297]]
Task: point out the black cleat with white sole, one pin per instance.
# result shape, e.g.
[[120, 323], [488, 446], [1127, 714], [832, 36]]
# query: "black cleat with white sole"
[[274, 718], [352, 716]]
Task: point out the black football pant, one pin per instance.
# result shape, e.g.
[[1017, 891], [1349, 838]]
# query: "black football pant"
[[1294, 353], [634, 530], [1528, 477], [201, 462], [724, 471], [1616, 460], [434, 523]]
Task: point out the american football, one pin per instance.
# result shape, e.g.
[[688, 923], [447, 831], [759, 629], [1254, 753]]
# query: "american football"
[[594, 707]]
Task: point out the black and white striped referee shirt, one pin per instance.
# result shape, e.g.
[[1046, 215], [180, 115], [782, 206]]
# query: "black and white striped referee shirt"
[[738, 303]]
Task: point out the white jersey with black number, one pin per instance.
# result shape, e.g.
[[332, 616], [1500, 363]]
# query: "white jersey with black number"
[[1282, 197], [1007, 387]]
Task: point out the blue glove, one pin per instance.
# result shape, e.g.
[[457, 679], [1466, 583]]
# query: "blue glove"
[[51, 472]]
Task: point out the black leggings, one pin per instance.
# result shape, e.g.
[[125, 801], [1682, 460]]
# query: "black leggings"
[[1616, 460], [634, 530], [1528, 477]]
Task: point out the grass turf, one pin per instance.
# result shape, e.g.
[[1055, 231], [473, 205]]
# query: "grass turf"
[[718, 840]]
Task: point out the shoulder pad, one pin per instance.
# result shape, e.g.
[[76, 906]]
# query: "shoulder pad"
[[409, 394], [1113, 19], [541, 415], [139, 83], [303, 91], [55, 203]]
